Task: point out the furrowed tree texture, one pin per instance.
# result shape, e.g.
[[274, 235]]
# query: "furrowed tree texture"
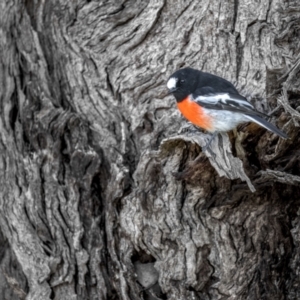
[[102, 195]]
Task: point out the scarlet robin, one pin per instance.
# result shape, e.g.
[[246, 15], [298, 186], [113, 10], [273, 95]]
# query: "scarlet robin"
[[213, 103]]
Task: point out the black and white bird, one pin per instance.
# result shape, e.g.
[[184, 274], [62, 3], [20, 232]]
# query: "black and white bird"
[[213, 103]]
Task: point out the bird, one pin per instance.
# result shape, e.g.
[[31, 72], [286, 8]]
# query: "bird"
[[213, 103]]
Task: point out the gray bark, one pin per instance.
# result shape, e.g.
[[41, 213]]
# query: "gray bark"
[[101, 195]]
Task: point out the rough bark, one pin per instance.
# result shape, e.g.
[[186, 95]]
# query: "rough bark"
[[102, 196]]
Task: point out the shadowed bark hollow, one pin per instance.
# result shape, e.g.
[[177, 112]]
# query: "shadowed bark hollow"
[[103, 196]]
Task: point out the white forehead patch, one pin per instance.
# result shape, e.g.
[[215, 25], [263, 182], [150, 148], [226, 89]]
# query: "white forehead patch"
[[172, 83]]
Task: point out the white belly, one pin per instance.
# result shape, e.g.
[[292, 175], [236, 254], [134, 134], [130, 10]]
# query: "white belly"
[[225, 120]]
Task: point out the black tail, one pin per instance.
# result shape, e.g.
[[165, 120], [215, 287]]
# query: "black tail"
[[258, 120]]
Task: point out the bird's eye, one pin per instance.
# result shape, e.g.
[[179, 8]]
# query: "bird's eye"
[[182, 81]]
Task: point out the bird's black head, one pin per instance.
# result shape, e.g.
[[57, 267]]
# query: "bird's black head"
[[183, 83]]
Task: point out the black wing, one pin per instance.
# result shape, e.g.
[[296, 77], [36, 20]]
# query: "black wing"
[[208, 98]]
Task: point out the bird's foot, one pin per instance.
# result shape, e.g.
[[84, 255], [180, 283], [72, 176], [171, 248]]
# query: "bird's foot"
[[188, 128], [206, 147]]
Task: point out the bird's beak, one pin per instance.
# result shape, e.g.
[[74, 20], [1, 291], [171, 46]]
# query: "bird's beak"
[[172, 91]]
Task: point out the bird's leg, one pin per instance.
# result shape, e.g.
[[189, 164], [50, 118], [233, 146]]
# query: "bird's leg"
[[209, 142]]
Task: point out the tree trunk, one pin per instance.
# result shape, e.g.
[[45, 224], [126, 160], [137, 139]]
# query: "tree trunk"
[[101, 197]]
